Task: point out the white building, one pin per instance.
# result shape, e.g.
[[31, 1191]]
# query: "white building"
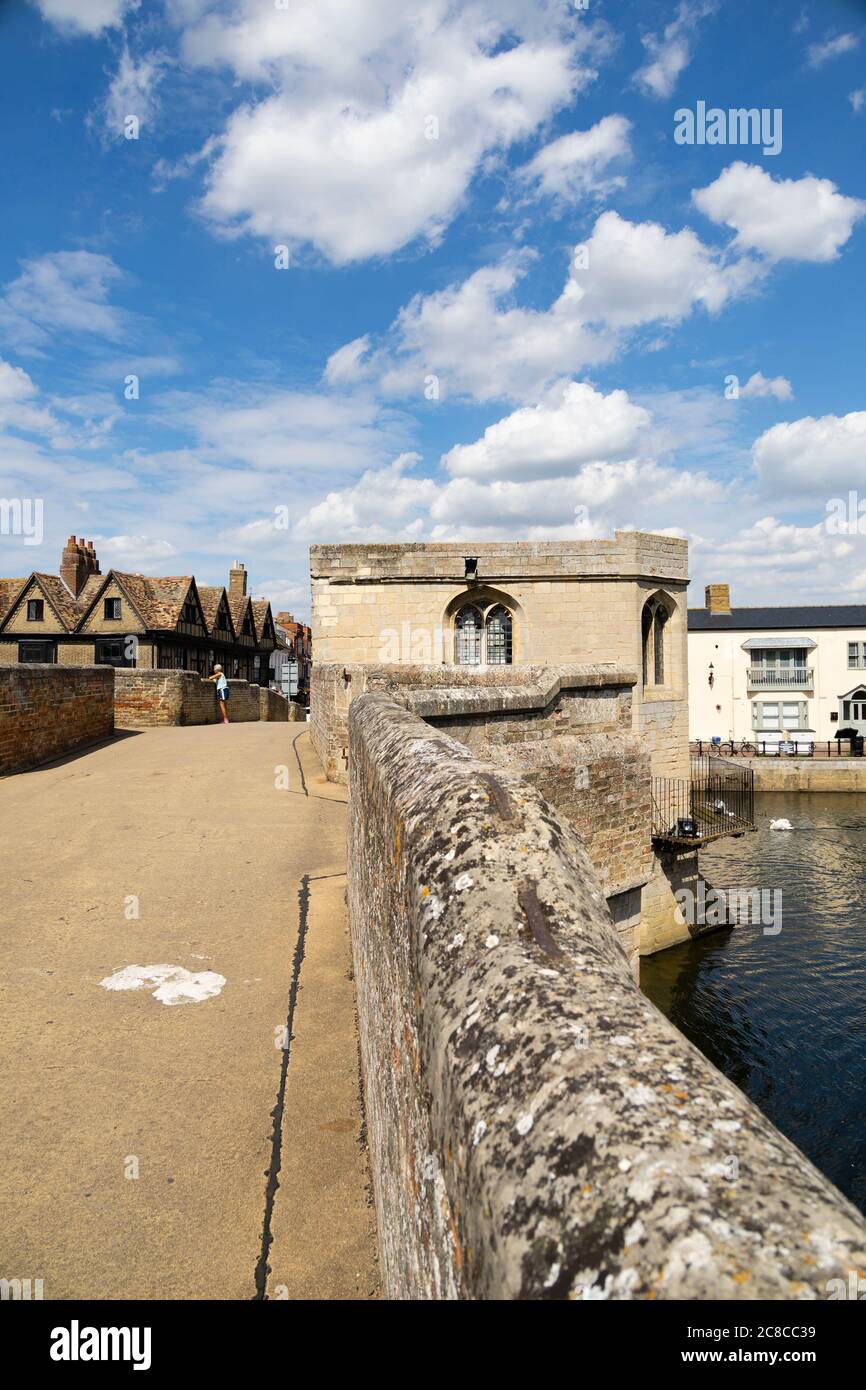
[[763, 673]]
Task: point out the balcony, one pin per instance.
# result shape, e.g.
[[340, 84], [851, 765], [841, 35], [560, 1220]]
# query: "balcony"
[[781, 678], [716, 800]]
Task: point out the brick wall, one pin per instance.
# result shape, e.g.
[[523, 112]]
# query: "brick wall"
[[145, 698], [46, 711]]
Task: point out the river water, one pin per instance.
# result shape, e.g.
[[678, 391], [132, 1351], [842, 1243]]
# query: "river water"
[[784, 1015]]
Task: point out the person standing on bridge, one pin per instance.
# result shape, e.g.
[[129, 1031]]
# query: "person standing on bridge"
[[222, 690]]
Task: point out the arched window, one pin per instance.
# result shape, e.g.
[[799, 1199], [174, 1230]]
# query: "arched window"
[[467, 637], [499, 636], [653, 620]]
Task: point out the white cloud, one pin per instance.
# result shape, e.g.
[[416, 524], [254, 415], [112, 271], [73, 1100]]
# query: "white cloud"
[[61, 292], [821, 53], [370, 141], [575, 164], [479, 343], [85, 16], [857, 99], [385, 503], [140, 553], [670, 54], [813, 457], [291, 442], [132, 92], [760, 385], [801, 219], [346, 365], [573, 426]]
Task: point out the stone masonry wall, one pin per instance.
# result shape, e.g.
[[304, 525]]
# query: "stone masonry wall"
[[46, 712], [537, 1129]]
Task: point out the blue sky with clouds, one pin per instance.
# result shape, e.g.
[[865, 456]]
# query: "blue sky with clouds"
[[512, 300]]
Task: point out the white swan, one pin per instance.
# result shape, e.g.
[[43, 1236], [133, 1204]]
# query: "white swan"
[[781, 825]]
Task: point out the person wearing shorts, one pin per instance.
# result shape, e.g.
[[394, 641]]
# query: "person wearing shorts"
[[222, 691]]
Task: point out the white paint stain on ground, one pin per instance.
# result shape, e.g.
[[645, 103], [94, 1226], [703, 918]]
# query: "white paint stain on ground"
[[174, 984]]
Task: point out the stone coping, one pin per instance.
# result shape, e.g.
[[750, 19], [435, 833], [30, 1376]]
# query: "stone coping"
[[537, 1128], [443, 691]]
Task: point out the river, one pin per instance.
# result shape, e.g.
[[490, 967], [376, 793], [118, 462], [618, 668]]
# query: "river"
[[784, 1015]]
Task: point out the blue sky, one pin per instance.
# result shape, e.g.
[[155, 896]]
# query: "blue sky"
[[512, 300]]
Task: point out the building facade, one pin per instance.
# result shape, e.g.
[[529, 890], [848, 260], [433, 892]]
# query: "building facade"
[[771, 674], [292, 662], [83, 617], [596, 712]]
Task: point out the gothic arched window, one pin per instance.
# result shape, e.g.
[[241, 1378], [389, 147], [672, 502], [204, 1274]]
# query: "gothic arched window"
[[653, 620], [468, 628], [499, 636]]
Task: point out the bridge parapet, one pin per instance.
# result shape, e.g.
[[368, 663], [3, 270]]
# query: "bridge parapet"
[[537, 1128]]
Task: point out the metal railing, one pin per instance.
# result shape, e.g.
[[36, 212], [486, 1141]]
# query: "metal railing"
[[717, 799], [796, 746], [781, 677]]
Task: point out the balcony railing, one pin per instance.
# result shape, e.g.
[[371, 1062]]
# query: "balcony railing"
[[717, 800], [781, 677]]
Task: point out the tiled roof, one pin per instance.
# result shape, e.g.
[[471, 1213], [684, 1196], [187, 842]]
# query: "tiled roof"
[[158, 600], [60, 598], [261, 609], [748, 619], [9, 590], [92, 585], [238, 609], [211, 596]]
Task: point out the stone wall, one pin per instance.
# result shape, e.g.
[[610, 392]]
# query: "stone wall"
[[272, 705], [783, 774], [537, 1129], [146, 698], [46, 712]]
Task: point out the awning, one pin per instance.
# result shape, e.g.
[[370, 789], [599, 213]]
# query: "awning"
[[792, 639]]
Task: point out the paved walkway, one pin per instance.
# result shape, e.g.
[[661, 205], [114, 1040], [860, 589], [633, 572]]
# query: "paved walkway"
[[252, 1178]]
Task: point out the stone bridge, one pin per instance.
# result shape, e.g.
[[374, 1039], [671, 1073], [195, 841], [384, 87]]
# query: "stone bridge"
[[177, 1150]]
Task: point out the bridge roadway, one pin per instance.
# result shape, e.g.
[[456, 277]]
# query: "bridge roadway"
[[180, 1151]]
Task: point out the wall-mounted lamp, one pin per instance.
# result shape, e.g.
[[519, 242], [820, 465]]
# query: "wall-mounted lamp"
[[470, 574], [712, 679]]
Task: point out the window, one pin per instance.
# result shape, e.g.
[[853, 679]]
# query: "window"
[[171, 658], [777, 716], [499, 636], [111, 610], [189, 612], [35, 610], [653, 620], [114, 651], [247, 628], [856, 655], [467, 637], [45, 652], [854, 708]]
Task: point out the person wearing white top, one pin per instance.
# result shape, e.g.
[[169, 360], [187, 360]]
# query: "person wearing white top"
[[222, 690]]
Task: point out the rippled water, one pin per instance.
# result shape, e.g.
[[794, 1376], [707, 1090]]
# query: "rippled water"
[[785, 1016]]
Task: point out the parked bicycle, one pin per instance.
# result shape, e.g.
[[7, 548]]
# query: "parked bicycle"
[[731, 749]]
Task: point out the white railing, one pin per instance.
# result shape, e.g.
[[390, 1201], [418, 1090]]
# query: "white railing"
[[781, 677]]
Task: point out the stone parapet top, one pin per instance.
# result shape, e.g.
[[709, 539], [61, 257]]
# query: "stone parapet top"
[[537, 1128]]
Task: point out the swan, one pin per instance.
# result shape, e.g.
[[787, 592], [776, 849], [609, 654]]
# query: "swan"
[[781, 825]]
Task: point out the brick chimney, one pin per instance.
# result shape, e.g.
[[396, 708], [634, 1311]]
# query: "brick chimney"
[[717, 598], [237, 580], [92, 562], [74, 566]]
